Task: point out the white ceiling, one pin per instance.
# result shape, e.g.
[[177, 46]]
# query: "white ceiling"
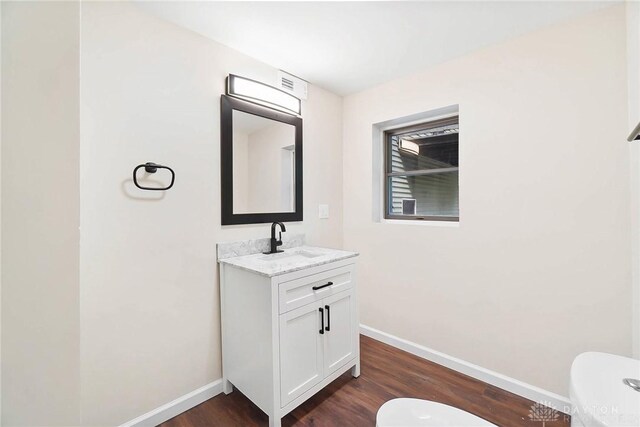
[[346, 47]]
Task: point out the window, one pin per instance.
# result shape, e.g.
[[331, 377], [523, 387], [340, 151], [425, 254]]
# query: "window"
[[421, 181]]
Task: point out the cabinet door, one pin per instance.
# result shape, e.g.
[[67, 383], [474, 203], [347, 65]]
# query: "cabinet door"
[[340, 330], [301, 352]]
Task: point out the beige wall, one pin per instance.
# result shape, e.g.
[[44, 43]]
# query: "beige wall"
[[0, 216], [633, 75], [40, 214], [538, 269], [149, 282]]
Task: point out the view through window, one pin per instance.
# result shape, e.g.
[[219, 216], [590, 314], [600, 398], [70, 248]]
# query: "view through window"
[[422, 171]]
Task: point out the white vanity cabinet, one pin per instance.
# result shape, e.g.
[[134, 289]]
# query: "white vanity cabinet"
[[286, 336]]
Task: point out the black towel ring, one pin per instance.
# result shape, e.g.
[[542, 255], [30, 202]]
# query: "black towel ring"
[[151, 167]]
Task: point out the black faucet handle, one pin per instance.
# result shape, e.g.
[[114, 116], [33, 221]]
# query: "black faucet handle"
[[279, 241]]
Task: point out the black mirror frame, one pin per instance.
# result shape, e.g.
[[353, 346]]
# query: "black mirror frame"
[[227, 105]]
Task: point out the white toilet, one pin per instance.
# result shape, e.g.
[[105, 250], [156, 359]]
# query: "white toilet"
[[600, 397], [407, 412]]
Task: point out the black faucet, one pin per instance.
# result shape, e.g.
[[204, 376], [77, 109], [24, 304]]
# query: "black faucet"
[[275, 243]]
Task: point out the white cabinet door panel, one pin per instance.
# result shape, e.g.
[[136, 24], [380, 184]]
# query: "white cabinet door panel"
[[340, 333], [301, 352]]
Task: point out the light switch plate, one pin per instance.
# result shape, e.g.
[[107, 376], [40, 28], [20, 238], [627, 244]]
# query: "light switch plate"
[[323, 211]]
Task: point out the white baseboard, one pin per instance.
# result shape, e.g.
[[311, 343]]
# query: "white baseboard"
[[536, 394], [177, 406]]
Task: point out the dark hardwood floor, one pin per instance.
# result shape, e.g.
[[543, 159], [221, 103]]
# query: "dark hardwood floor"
[[387, 373]]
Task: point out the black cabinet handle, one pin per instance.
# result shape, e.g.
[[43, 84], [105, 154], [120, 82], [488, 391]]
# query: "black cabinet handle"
[[328, 328], [315, 288], [322, 320]]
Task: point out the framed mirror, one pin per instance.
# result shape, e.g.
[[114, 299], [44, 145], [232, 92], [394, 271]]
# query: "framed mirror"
[[261, 164]]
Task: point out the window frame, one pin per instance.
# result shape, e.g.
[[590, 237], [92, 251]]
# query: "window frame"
[[387, 168]]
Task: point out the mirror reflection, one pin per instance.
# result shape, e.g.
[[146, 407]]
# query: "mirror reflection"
[[263, 164]]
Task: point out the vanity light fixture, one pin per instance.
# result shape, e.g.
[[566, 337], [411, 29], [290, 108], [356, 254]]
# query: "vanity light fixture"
[[263, 94]]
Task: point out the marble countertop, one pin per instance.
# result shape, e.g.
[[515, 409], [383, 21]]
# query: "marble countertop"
[[293, 259]]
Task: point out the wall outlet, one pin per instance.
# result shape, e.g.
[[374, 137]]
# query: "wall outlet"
[[323, 211]]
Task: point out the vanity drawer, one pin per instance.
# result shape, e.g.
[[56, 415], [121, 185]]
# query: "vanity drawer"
[[299, 292]]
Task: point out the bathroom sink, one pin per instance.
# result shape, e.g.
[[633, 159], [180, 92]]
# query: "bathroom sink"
[[308, 254], [289, 255]]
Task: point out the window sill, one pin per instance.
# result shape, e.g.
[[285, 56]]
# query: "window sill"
[[429, 223]]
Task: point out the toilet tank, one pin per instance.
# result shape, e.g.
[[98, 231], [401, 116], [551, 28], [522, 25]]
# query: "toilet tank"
[[598, 394]]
